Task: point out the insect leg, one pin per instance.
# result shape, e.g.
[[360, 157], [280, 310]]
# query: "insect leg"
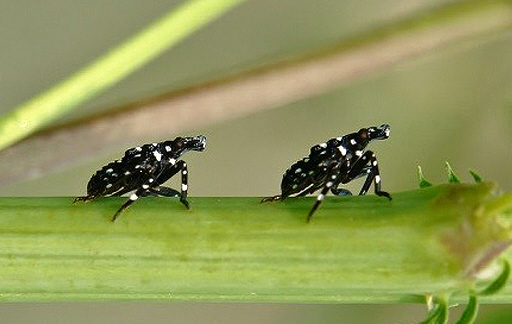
[[182, 165], [167, 174], [127, 204], [360, 169], [374, 175], [344, 192], [340, 192], [331, 180], [273, 198], [83, 199], [164, 191]]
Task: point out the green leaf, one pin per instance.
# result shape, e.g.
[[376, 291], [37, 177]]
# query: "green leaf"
[[499, 282], [452, 177], [423, 183], [438, 311], [470, 312], [475, 176]]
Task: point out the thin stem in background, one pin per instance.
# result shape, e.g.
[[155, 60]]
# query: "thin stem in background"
[[253, 91], [110, 68]]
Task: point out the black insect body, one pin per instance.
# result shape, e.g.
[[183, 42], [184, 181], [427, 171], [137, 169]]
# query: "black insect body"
[[144, 169], [337, 161]]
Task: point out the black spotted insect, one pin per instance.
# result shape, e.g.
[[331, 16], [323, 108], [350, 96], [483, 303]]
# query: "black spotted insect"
[[337, 161], [144, 169]]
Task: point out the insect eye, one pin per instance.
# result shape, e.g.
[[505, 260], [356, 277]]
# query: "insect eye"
[[363, 135]]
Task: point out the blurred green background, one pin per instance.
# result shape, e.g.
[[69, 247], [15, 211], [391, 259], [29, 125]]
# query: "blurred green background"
[[450, 104]]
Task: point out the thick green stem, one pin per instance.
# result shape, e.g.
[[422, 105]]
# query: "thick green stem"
[[356, 249]]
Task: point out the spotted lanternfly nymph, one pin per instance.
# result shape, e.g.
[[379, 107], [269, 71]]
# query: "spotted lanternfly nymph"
[[144, 169], [337, 161]]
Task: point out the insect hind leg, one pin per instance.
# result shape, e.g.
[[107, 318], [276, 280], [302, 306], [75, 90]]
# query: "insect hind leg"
[[332, 181], [273, 198], [131, 200], [84, 199]]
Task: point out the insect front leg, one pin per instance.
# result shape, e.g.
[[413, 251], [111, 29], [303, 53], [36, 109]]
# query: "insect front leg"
[[167, 174], [360, 168], [184, 183]]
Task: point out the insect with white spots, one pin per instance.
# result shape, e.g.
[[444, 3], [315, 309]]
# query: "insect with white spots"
[[337, 161], [144, 169]]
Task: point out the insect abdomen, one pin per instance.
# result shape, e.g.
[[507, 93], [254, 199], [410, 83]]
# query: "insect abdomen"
[[296, 178], [107, 180]]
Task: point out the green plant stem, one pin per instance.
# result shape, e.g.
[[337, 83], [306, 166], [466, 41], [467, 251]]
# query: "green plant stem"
[[110, 68], [355, 250]]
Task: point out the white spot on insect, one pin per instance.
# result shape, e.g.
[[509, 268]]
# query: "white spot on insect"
[[338, 139], [108, 186], [157, 155], [374, 163], [172, 161], [320, 197], [105, 179], [168, 148], [295, 186], [342, 150], [323, 145], [329, 184], [302, 174], [145, 186], [151, 180], [363, 158], [109, 170], [138, 166], [333, 176], [359, 153], [138, 149], [368, 171], [134, 197], [387, 132], [127, 173], [377, 178], [137, 155], [184, 172], [184, 187], [373, 154], [305, 159], [298, 170], [353, 142], [114, 174], [311, 172]]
